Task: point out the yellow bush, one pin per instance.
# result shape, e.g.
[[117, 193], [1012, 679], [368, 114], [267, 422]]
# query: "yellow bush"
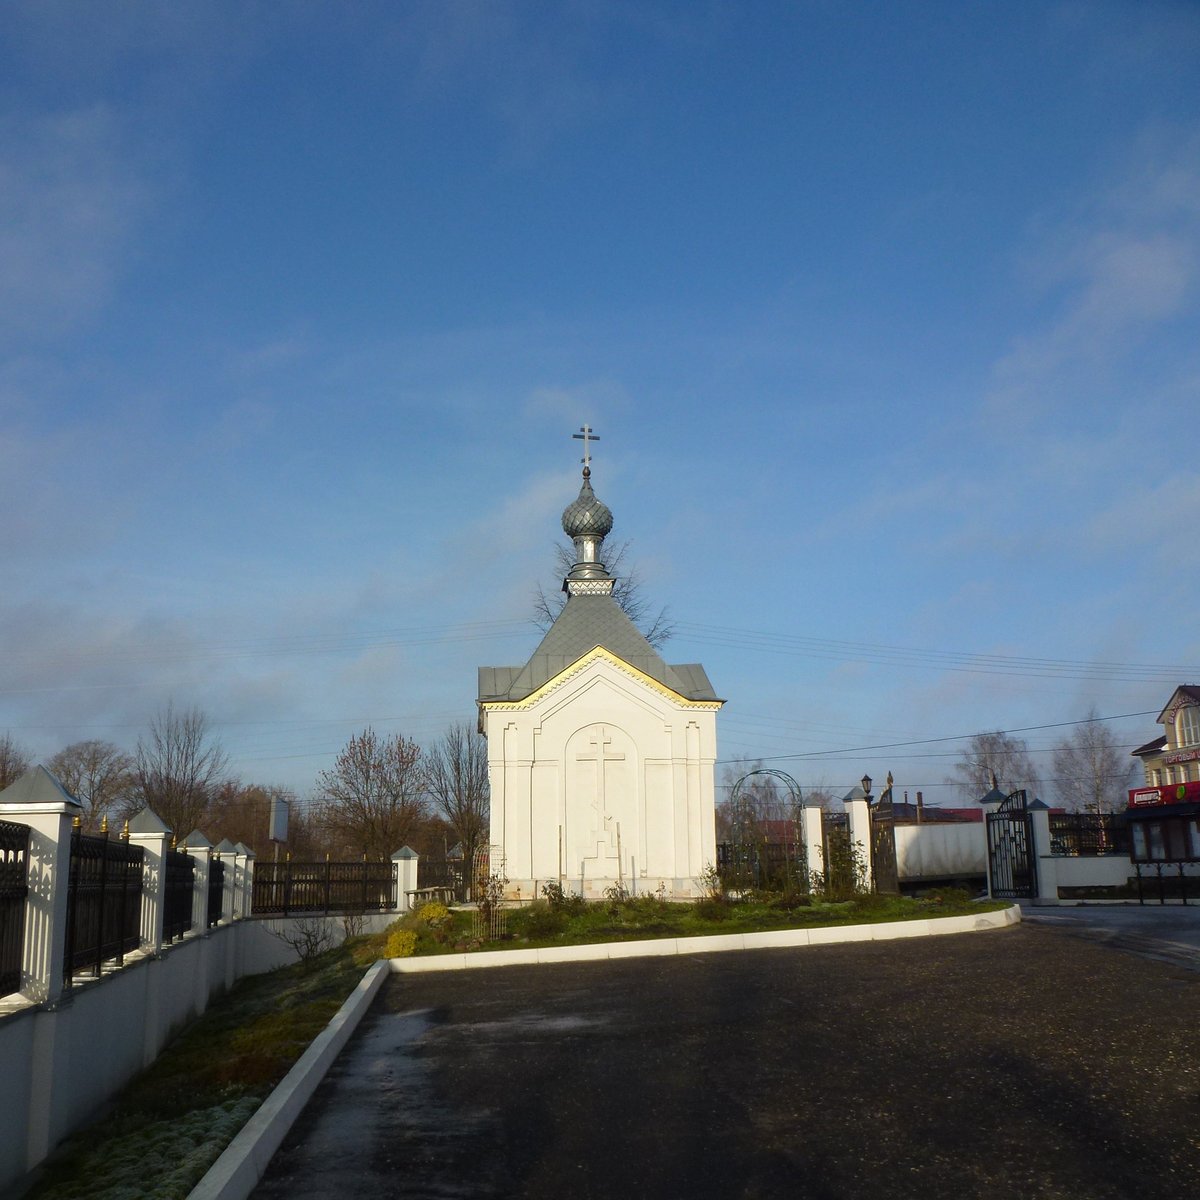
[[433, 914], [401, 943]]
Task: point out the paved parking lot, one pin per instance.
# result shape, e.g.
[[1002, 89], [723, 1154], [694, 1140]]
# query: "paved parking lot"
[[1024, 1062]]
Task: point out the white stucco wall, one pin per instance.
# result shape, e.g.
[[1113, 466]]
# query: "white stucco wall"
[[600, 748]]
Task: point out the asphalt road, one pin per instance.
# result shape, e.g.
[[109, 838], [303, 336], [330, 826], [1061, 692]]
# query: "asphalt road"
[[1019, 1063], [1169, 932]]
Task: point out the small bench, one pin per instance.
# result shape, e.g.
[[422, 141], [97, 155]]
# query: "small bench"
[[418, 896]]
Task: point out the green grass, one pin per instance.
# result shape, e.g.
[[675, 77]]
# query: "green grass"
[[575, 923]]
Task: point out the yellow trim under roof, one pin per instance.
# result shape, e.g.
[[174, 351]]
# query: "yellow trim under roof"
[[581, 664]]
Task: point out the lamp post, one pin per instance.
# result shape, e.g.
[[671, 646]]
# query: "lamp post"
[[866, 787]]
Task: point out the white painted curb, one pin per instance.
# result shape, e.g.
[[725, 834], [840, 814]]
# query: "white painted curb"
[[236, 1173], [825, 935]]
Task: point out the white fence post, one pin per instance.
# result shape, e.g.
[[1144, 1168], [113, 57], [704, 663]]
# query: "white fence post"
[[404, 863], [38, 800], [245, 903], [859, 814], [814, 838], [990, 804], [147, 830], [201, 849], [229, 885], [1042, 853]]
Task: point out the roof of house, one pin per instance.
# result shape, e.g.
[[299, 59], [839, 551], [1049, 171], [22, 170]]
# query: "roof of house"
[[1153, 747], [585, 623], [1190, 690]]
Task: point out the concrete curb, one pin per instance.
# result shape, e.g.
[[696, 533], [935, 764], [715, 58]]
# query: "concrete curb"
[[715, 944], [236, 1173]]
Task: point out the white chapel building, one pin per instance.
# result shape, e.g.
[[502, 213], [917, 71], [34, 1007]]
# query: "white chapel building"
[[600, 754]]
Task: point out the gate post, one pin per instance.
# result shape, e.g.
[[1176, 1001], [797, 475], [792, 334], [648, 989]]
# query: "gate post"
[[814, 838], [990, 804], [859, 812], [1047, 874]]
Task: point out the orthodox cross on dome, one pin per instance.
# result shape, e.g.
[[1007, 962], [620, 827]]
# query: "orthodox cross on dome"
[[586, 435]]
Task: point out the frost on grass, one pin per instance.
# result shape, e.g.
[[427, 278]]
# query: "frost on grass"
[[162, 1160]]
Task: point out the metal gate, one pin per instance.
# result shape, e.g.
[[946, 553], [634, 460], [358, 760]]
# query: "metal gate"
[[883, 845], [1012, 869]]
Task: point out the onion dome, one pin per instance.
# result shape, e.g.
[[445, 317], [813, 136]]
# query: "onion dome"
[[587, 516], [586, 522]]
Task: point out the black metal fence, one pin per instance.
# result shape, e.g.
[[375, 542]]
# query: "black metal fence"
[[180, 870], [14, 887], [104, 903], [1088, 834], [770, 865], [444, 873], [323, 887], [216, 890]]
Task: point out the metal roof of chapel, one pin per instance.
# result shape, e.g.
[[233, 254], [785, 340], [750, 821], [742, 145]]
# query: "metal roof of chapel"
[[585, 623]]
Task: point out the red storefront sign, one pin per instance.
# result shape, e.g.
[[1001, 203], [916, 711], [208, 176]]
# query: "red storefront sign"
[[1167, 793]]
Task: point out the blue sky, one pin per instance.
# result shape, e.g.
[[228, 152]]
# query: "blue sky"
[[886, 316]]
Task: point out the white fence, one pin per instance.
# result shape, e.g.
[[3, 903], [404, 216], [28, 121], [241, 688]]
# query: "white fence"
[[66, 1045]]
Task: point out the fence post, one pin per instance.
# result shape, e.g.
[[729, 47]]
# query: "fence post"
[[1042, 852], [814, 835], [990, 805], [249, 899], [245, 879], [228, 852], [859, 813], [38, 800], [404, 866], [201, 850], [147, 830]]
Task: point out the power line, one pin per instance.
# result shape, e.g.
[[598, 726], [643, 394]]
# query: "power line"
[[922, 658], [958, 737]]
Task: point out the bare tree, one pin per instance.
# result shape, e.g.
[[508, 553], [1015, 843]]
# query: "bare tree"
[[997, 755], [179, 767], [14, 761], [456, 771], [1092, 772], [241, 812], [656, 627], [98, 774], [762, 808], [373, 799]]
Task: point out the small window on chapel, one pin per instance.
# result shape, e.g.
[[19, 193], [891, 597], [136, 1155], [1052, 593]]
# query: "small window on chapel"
[[1187, 726]]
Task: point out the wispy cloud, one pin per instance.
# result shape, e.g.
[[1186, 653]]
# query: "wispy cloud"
[[1102, 279], [69, 203]]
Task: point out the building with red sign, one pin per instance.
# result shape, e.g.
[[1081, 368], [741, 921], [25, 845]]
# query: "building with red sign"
[[1165, 812]]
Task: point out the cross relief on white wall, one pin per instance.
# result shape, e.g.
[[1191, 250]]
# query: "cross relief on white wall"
[[602, 831]]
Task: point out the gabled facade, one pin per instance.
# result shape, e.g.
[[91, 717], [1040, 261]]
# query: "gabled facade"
[[1172, 762], [600, 754]]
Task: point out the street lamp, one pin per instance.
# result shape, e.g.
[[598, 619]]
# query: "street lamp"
[[866, 787]]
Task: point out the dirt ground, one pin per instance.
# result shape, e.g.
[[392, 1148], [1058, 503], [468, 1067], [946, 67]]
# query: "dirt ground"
[[1023, 1062]]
